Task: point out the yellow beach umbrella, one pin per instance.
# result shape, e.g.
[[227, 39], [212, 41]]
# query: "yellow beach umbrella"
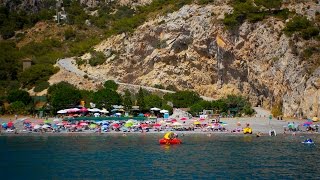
[[196, 123], [315, 119]]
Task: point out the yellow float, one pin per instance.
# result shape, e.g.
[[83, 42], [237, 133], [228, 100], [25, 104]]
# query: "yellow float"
[[247, 130]]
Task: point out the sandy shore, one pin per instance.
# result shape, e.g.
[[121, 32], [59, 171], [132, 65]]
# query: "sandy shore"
[[258, 124]]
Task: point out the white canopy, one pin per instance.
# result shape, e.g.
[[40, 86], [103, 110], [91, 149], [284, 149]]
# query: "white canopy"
[[176, 124], [164, 111], [94, 110], [104, 111], [37, 126], [63, 111], [45, 126], [155, 109]]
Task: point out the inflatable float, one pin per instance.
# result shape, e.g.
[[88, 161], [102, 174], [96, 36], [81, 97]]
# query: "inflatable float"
[[170, 141], [247, 130], [170, 138], [307, 141]]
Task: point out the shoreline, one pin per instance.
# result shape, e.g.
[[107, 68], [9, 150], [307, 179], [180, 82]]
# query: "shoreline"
[[258, 124], [180, 133]]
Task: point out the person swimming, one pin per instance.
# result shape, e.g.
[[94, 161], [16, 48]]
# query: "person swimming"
[[308, 141]]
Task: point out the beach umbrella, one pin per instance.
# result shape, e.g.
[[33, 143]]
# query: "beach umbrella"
[[104, 111], [118, 114], [141, 115], [176, 124], [4, 125], [155, 109], [27, 121], [144, 126], [116, 125], [73, 110], [10, 124], [94, 110], [129, 123], [83, 109], [92, 126], [60, 124], [83, 124], [47, 121], [162, 122], [157, 125], [37, 126], [196, 123], [39, 121], [164, 111], [183, 118], [146, 114], [202, 119], [62, 111], [173, 120], [56, 120], [104, 126], [315, 119], [45, 126], [307, 123]]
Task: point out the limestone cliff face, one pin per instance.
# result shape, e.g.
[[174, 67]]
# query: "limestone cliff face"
[[36, 5], [27, 5], [131, 3], [191, 49]]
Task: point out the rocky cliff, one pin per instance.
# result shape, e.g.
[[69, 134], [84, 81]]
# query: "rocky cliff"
[[36, 5], [191, 49]]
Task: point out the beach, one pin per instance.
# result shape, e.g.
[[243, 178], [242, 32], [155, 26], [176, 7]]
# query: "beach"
[[258, 124]]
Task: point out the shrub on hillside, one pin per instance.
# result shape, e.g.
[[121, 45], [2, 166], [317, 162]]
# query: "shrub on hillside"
[[303, 26], [40, 86], [36, 73], [203, 2], [69, 34], [97, 58], [269, 3]]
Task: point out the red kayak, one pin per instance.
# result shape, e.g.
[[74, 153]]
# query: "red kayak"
[[170, 141]]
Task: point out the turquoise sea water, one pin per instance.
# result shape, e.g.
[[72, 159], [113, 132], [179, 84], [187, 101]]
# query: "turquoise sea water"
[[141, 157]]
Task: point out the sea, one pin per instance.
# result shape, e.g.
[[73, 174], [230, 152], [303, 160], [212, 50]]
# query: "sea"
[[140, 156]]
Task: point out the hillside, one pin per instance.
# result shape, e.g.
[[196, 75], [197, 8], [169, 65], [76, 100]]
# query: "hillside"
[[266, 52]]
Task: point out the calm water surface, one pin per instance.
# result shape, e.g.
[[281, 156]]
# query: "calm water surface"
[[141, 157]]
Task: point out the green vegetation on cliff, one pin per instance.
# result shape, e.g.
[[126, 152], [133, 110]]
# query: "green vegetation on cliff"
[[301, 25], [253, 11]]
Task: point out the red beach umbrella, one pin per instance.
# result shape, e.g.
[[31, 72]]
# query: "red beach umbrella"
[[116, 125], [27, 121], [39, 121], [173, 120], [10, 124], [157, 125], [144, 125], [83, 124], [83, 109], [183, 119]]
